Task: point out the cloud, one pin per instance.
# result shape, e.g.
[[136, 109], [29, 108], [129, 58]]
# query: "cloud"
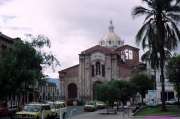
[[72, 25], [2, 2]]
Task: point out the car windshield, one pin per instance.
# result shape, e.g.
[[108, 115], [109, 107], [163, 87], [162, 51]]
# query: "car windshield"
[[99, 102], [57, 106], [32, 108], [51, 106], [91, 103]]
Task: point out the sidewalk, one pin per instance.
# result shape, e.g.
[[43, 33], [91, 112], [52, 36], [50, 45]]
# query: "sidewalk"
[[154, 117]]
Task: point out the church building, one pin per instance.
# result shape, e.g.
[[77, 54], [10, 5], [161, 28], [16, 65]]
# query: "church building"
[[111, 59]]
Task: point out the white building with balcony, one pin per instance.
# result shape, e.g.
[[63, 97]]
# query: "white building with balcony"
[[170, 93]]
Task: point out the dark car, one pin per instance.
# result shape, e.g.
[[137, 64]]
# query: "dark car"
[[12, 110], [4, 110]]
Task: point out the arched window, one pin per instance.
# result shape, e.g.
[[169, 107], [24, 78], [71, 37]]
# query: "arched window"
[[98, 69], [92, 70], [103, 71], [102, 43], [72, 91], [119, 42]]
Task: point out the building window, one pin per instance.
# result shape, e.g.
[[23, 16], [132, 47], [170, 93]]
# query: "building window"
[[102, 42], [103, 70], [129, 54], [109, 42], [119, 42], [168, 95], [3, 47], [92, 70], [98, 70]]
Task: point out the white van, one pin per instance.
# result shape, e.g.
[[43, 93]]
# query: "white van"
[[59, 109]]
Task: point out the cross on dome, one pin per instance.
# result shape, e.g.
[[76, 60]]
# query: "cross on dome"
[[111, 27]]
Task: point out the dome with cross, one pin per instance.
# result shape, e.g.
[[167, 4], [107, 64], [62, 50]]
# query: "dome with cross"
[[111, 39]]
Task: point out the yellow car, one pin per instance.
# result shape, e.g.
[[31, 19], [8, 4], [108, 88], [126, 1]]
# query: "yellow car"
[[35, 111]]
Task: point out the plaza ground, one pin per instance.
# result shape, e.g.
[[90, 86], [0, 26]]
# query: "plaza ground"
[[119, 115], [97, 115]]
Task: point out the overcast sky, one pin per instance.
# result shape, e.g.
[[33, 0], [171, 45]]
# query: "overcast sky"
[[71, 25]]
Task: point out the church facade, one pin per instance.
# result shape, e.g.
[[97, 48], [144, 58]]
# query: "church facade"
[[111, 59]]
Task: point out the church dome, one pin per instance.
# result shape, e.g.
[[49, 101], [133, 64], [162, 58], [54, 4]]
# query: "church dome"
[[111, 39]]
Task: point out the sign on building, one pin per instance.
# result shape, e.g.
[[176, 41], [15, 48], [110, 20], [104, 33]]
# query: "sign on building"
[[152, 98]]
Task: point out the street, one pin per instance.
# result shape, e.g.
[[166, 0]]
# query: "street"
[[71, 111], [76, 112]]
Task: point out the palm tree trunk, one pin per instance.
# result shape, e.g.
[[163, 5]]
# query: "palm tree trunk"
[[162, 85], [178, 91], [142, 101], [160, 47]]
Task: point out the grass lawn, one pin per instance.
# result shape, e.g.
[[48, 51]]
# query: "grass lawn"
[[150, 111]]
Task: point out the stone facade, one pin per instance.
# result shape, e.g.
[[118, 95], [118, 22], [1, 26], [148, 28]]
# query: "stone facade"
[[111, 60]]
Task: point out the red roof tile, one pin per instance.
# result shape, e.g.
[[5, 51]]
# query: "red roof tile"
[[70, 72], [98, 48], [127, 46]]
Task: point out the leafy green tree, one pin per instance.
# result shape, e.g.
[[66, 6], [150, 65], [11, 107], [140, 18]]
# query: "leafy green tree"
[[173, 71], [126, 90], [21, 67], [115, 91], [143, 83], [159, 32], [107, 93]]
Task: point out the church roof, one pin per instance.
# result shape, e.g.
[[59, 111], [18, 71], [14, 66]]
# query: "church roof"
[[70, 72], [111, 36], [107, 50], [99, 49], [127, 46]]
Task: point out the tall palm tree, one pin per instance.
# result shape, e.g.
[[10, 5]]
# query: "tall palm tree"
[[159, 31], [151, 58]]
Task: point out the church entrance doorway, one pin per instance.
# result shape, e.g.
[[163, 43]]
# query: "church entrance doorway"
[[95, 84], [72, 91]]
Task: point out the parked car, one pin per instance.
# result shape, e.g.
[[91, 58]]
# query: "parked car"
[[4, 109], [13, 109], [35, 111], [100, 104], [171, 101], [90, 106], [59, 109]]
